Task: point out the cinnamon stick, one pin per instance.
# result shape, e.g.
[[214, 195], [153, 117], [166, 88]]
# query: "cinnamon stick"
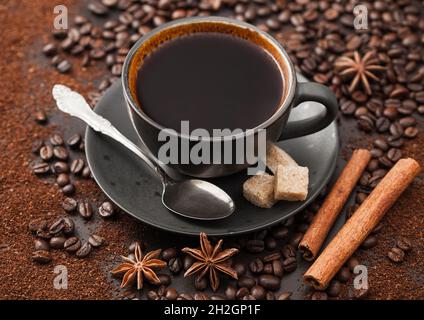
[[360, 225], [333, 204]]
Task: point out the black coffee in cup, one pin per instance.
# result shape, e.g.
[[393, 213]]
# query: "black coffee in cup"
[[214, 80]]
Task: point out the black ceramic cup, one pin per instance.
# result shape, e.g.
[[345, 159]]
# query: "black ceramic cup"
[[277, 127]]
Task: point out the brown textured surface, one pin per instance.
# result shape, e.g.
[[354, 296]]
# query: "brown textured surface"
[[25, 84]]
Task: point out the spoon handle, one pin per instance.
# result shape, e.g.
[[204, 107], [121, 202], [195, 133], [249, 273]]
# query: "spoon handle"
[[73, 103]]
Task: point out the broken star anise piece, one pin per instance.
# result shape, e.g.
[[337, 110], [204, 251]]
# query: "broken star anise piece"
[[141, 266], [210, 260], [359, 69]]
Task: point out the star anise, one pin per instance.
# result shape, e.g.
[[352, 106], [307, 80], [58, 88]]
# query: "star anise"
[[359, 69], [139, 267], [210, 260]]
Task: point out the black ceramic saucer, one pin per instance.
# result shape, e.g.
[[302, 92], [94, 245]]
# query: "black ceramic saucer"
[[130, 184]]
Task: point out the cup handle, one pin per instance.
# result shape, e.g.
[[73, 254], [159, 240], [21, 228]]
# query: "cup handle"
[[311, 91]]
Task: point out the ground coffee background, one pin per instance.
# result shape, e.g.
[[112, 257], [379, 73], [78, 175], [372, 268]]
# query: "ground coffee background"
[[25, 84]]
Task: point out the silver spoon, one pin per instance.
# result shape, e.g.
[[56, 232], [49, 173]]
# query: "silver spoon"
[[191, 198]]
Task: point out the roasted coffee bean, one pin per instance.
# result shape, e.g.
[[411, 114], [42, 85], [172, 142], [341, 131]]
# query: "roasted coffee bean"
[[269, 282], [344, 274], [242, 292], [361, 111], [288, 251], [84, 251], [382, 124], [373, 165], [106, 210], [49, 49], [364, 180], [188, 262], [175, 265], [258, 292], [60, 153], [396, 130], [40, 117], [369, 242], [270, 243], [319, 295], [41, 244], [185, 296], [246, 281], [74, 141], [348, 107], [230, 292], [64, 66], [62, 179], [97, 8], [295, 239], [153, 295], [360, 197], [69, 204], [68, 226], [240, 269], [271, 257], [256, 266], [60, 167], [57, 242], [396, 255], [408, 122], [41, 168], [410, 132], [277, 268], [57, 226], [404, 244], [169, 253], [255, 246], [280, 232], [56, 140], [85, 210], [381, 143], [41, 256], [395, 142], [165, 280], [290, 264], [394, 154], [86, 173], [68, 190], [95, 240], [200, 284], [217, 297], [352, 263], [77, 166], [171, 294], [267, 269], [72, 244], [46, 153], [284, 296], [334, 288], [365, 123], [385, 162]]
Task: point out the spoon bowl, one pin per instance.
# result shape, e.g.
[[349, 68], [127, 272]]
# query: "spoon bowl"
[[197, 199]]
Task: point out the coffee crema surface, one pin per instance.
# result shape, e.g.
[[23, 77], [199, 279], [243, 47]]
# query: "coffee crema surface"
[[213, 80]]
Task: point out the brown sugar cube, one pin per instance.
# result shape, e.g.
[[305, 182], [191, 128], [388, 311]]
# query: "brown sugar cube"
[[259, 190], [276, 156], [291, 183]]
